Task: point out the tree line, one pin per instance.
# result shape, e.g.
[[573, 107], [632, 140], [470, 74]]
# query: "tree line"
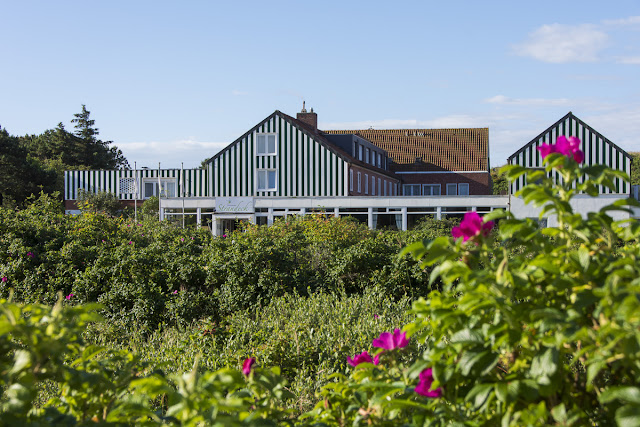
[[30, 164]]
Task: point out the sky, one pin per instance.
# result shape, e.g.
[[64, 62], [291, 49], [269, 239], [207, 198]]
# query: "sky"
[[175, 82]]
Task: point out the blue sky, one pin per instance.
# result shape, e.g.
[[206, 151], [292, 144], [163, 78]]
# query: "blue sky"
[[175, 82]]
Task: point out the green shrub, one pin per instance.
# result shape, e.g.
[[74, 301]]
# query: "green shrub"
[[540, 327]]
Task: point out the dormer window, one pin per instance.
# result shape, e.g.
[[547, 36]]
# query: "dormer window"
[[266, 144]]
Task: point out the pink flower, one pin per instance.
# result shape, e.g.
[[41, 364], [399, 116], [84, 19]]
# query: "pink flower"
[[175, 292], [69, 296], [224, 235], [363, 357], [4, 279], [246, 366], [471, 226], [182, 239], [389, 341], [569, 147], [30, 254], [424, 385], [375, 316], [130, 242]]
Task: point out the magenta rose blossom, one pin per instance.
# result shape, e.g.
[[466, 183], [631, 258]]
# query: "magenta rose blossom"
[[363, 357], [246, 366], [69, 296], [424, 385], [569, 147], [471, 226], [389, 341], [4, 279]]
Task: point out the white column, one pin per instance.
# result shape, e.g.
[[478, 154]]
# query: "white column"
[[370, 217], [270, 216], [405, 219], [439, 213], [199, 216]]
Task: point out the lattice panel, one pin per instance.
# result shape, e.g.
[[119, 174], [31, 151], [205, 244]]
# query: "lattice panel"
[[128, 186]]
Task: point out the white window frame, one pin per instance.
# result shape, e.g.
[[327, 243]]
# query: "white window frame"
[[373, 185], [380, 187], [350, 179], [367, 157], [409, 189], [267, 172], [359, 182], [463, 189], [380, 160], [360, 149], [366, 183], [165, 184], [266, 136], [452, 189], [430, 188]]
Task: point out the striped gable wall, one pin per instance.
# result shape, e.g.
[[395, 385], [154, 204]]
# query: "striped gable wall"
[[304, 166], [597, 150], [194, 182]]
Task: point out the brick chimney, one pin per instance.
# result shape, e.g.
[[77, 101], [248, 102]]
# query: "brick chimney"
[[309, 118]]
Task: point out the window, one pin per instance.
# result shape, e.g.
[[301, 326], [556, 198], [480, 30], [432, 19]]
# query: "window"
[[266, 180], [366, 183], [355, 149], [431, 189], [379, 187], [266, 144], [379, 160], [167, 188], [359, 186], [360, 152], [463, 189], [452, 189], [351, 179], [366, 157], [411, 189], [373, 185]]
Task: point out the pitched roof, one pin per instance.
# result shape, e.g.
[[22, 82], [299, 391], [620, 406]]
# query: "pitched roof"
[[436, 149], [320, 138], [313, 133], [572, 117]]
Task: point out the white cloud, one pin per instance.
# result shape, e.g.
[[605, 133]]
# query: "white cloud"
[[558, 43], [624, 22], [635, 60], [170, 154], [504, 100], [239, 93]]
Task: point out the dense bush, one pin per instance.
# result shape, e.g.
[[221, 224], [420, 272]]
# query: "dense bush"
[[528, 326], [543, 331], [152, 272]]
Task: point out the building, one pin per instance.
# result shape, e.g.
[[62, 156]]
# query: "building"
[[287, 166], [597, 149]]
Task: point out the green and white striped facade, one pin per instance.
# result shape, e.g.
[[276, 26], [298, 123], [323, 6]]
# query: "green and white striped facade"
[[127, 183], [596, 148], [304, 165]]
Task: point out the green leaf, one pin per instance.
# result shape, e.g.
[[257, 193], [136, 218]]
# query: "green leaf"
[[501, 390], [479, 394], [624, 393], [545, 364], [628, 416], [467, 336]]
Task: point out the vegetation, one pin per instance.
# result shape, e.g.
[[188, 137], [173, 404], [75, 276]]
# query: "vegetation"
[[515, 326], [500, 184], [33, 163]]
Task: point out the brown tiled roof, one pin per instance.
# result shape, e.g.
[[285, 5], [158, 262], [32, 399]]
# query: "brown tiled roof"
[[437, 149]]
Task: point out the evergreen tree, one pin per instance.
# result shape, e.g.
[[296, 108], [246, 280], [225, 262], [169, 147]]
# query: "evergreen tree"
[[20, 175]]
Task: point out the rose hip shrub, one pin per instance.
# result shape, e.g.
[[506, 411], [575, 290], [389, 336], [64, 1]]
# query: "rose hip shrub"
[[532, 326]]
